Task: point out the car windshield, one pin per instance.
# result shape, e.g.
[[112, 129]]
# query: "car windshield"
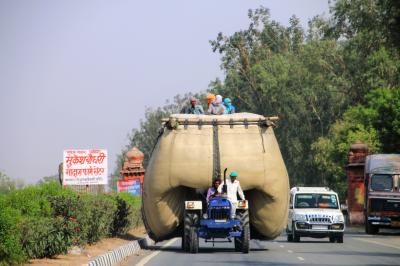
[[381, 182], [314, 200]]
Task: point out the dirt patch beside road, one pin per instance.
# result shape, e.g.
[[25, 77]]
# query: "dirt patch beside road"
[[91, 251]]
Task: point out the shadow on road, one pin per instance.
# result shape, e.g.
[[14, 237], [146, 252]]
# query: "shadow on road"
[[360, 230], [353, 253], [250, 262], [203, 249]]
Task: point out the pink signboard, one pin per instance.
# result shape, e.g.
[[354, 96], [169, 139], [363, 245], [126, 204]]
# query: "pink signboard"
[[85, 167]]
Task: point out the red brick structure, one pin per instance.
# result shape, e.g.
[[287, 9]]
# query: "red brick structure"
[[132, 169], [355, 182]]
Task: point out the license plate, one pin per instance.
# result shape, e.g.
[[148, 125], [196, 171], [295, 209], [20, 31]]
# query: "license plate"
[[395, 223], [320, 227], [220, 221]]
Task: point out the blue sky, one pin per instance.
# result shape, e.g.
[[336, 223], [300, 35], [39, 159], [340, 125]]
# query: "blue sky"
[[79, 74]]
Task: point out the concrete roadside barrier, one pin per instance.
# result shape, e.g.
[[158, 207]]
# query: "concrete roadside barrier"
[[118, 254]]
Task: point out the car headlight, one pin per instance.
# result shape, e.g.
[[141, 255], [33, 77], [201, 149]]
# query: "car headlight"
[[338, 218], [300, 217]]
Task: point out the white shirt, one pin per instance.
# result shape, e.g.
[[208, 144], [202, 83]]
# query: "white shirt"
[[232, 190]]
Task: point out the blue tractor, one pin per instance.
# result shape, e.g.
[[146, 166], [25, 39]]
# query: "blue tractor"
[[216, 223]]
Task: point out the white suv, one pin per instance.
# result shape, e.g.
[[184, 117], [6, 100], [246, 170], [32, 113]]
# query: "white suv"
[[314, 212]]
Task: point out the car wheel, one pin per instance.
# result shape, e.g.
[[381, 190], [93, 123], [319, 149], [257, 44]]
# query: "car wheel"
[[295, 235], [289, 237]]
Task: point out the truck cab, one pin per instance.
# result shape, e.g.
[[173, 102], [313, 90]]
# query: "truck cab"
[[382, 192], [314, 212]]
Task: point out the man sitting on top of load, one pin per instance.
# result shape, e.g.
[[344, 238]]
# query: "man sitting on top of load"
[[229, 108], [210, 99], [193, 108], [216, 107]]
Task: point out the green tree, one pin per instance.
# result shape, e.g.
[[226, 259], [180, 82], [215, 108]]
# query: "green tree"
[[50, 178], [369, 23], [368, 31], [377, 124], [276, 70], [308, 78], [6, 184]]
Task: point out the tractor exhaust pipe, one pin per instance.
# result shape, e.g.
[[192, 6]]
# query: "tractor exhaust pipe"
[[225, 187]]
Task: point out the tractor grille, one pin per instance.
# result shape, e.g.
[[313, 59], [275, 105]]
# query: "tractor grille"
[[219, 214], [316, 218]]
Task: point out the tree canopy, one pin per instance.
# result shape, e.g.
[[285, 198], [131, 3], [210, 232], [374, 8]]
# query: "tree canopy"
[[335, 82]]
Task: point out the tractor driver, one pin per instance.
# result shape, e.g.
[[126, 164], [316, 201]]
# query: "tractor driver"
[[213, 191], [233, 188]]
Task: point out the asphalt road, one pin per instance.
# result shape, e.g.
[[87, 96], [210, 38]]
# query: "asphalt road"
[[357, 249]]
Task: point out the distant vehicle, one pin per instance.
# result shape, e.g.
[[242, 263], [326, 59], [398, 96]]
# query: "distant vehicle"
[[382, 192], [314, 212]]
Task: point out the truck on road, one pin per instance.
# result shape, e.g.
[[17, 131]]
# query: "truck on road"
[[382, 192]]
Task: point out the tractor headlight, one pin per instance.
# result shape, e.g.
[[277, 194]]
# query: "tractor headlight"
[[205, 216], [300, 217], [338, 218], [242, 204]]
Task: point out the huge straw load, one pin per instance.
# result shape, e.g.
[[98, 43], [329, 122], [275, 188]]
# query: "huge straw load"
[[192, 150]]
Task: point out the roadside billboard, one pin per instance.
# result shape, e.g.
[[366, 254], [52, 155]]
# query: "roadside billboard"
[[130, 186], [85, 167]]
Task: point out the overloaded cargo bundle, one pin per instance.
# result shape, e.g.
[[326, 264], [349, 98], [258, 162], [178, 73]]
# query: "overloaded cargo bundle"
[[192, 150]]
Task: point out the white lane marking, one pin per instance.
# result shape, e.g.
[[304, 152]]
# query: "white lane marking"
[[300, 258], [290, 251], [152, 255], [282, 246], [376, 243]]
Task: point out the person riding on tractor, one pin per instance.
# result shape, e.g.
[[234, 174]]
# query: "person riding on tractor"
[[233, 188]]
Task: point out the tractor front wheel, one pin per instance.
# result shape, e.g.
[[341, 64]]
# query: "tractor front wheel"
[[238, 244], [245, 239], [190, 239], [194, 240]]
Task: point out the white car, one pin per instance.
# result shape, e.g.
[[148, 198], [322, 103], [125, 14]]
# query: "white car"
[[314, 212]]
